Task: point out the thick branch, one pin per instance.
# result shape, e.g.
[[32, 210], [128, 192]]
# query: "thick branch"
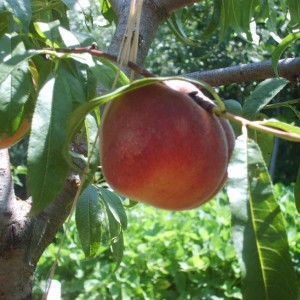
[[153, 14], [288, 68], [171, 5]]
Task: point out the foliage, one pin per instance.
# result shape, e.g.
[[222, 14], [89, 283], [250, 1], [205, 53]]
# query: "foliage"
[[168, 255], [44, 82]]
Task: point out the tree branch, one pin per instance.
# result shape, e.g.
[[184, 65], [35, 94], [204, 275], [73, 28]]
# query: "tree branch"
[[173, 5], [288, 68]]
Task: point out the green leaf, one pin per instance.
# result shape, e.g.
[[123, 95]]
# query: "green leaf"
[[214, 21], [15, 87], [277, 53], [117, 222], [103, 70], [91, 125], [108, 12], [235, 13], [262, 95], [258, 228], [265, 142], [225, 18], [19, 8], [272, 15], [246, 15], [235, 108], [297, 191], [115, 206], [176, 27], [90, 217], [10, 63], [49, 32], [47, 168], [294, 8], [68, 38], [284, 127]]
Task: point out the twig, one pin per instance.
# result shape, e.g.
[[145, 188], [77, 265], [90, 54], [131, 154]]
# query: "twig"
[[91, 50], [290, 136]]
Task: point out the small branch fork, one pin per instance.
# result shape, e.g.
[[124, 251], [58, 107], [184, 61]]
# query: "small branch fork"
[[212, 108]]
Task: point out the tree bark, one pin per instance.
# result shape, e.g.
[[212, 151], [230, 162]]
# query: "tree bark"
[[23, 238], [288, 68]]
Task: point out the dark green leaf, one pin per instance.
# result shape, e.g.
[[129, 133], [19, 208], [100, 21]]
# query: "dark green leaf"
[[258, 228], [277, 53], [294, 9], [246, 15], [235, 13], [225, 18], [262, 95], [297, 191], [15, 87], [47, 168], [19, 8], [90, 217]]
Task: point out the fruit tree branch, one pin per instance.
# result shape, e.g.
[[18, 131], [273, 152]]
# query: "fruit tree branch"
[[154, 13], [288, 68]]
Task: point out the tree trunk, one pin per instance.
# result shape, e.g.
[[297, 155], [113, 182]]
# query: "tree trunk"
[[16, 272]]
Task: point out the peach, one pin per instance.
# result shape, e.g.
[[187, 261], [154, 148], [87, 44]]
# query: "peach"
[[158, 146]]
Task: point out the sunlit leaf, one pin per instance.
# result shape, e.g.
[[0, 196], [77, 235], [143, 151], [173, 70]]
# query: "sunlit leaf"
[[258, 228], [108, 12], [48, 32], [10, 63], [284, 127], [262, 95]]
